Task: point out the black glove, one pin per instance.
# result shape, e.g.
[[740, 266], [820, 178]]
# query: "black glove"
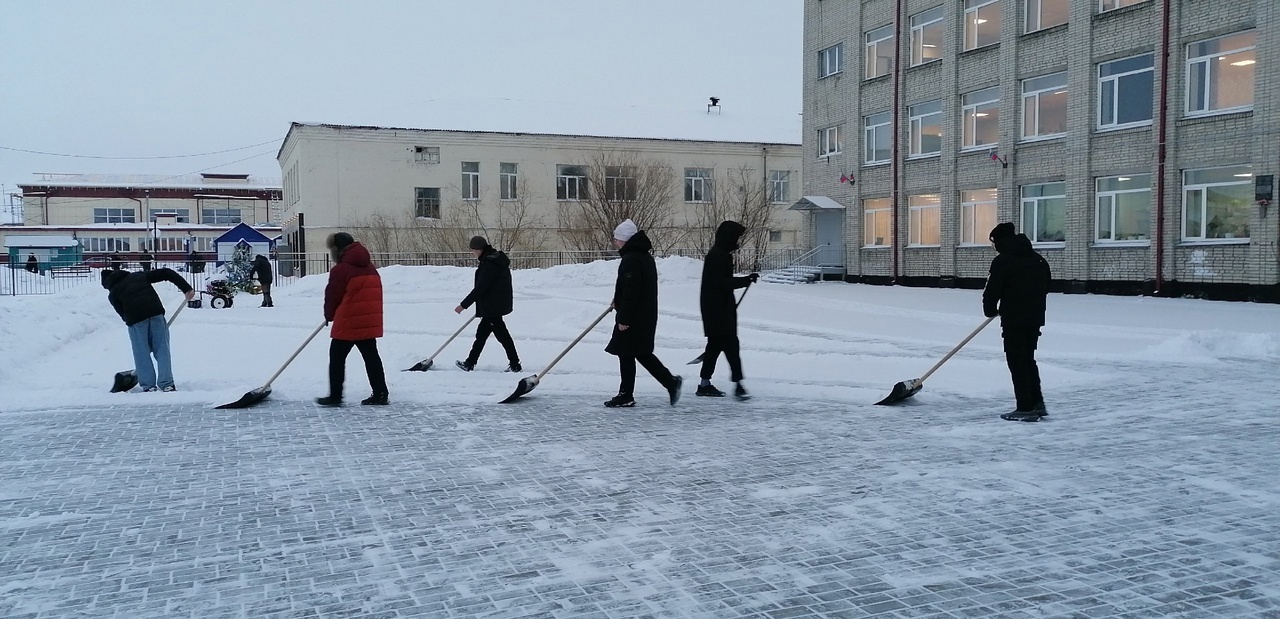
[[755, 277]]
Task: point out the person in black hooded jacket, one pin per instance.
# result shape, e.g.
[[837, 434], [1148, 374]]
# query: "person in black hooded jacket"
[[720, 309], [492, 296], [635, 301], [137, 303], [262, 268], [1017, 290]]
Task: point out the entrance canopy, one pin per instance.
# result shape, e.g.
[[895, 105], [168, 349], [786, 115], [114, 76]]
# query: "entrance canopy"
[[816, 203]]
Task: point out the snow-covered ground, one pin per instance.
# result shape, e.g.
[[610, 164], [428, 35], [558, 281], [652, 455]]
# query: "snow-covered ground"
[[835, 342]]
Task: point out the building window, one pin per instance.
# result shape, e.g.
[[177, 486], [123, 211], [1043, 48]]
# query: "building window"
[[105, 243], [981, 23], [830, 141], [779, 186], [1044, 106], [698, 185], [876, 213], [470, 180], [1220, 74], [926, 129], [1125, 92], [1111, 5], [977, 216], [571, 182], [426, 202], [113, 216], [426, 154], [507, 181], [981, 117], [924, 229], [619, 183], [878, 138], [183, 214], [926, 36], [1124, 208], [831, 60], [222, 216], [775, 236], [879, 52], [1043, 14], [1216, 203], [1044, 212]]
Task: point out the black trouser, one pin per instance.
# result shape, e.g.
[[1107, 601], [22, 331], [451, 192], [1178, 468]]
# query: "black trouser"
[[627, 364], [266, 294], [338, 350], [717, 344], [1020, 353], [498, 328]]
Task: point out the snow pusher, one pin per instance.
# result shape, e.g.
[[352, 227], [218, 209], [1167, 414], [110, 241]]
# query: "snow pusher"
[[529, 383], [257, 395], [908, 388], [426, 364]]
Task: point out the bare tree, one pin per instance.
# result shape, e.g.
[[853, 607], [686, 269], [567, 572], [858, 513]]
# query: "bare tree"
[[613, 186], [396, 232], [741, 195], [510, 222]]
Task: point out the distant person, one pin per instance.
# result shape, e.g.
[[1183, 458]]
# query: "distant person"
[[492, 296], [353, 304], [635, 301], [117, 263], [262, 268], [136, 301], [720, 310], [146, 260], [1017, 291], [33, 263]]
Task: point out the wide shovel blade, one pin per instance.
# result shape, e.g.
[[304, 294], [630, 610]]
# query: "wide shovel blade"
[[526, 385], [421, 366], [124, 381], [902, 391], [698, 360], [249, 398]]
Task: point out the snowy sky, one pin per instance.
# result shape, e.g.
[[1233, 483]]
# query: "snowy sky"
[[149, 78]]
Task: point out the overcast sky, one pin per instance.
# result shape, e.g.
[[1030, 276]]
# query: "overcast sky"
[[144, 78]]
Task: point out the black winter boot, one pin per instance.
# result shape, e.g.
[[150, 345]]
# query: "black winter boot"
[[465, 366], [377, 399], [674, 389], [709, 391], [740, 392], [622, 400], [329, 400]]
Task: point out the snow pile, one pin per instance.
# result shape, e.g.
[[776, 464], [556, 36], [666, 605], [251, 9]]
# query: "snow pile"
[[37, 326], [1218, 344]]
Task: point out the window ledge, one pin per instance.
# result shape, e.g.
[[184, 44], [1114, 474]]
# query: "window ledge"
[[1124, 128], [980, 49], [924, 64], [974, 246], [876, 164], [1042, 138], [1191, 119], [984, 148], [1122, 10], [1119, 244], [924, 156], [884, 77], [1209, 242], [1049, 245], [1043, 31], [836, 74], [877, 247], [829, 155], [923, 246]]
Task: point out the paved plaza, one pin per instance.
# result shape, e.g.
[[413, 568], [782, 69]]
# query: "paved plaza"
[[557, 507]]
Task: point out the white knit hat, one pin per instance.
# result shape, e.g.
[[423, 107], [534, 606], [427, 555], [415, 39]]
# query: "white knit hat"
[[625, 231]]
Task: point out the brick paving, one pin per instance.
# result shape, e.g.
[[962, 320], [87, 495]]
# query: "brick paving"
[[556, 507]]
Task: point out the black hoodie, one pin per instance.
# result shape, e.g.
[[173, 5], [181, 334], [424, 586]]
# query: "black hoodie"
[[1018, 285], [719, 307], [492, 293], [262, 268], [133, 297], [635, 299]]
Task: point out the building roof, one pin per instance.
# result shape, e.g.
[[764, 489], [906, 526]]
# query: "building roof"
[[39, 241], [242, 232], [210, 182], [815, 203]]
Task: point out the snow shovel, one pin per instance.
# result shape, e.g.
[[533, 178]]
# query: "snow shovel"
[[426, 364], [528, 383], [698, 360], [257, 395], [128, 379], [908, 388]]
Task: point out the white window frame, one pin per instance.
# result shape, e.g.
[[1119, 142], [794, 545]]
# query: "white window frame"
[[508, 181], [619, 183], [114, 215], [574, 185], [969, 213], [871, 70], [920, 117], [1114, 82], [424, 205], [105, 243], [470, 181], [1109, 196], [1034, 96], [830, 142], [869, 133], [1187, 188], [775, 236], [426, 154], [831, 60], [182, 215], [699, 185], [221, 216], [883, 208], [1034, 234], [972, 19], [1111, 5], [779, 186], [1209, 61], [971, 110], [1038, 12], [919, 22], [918, 207]]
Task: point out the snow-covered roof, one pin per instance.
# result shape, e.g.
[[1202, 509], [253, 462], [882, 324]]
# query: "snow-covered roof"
[[185, 181], [811, 203], [40, 241]]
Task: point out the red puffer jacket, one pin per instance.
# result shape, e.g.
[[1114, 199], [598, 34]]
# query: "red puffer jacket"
[[353, 298]]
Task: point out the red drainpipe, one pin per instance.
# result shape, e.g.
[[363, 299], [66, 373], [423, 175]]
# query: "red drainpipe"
[[897, 105], [1162, 129]]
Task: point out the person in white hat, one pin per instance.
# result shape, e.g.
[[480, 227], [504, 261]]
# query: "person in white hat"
[[635, 301]]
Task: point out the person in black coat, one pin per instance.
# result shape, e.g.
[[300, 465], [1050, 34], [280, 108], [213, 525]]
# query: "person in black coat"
[[492, 296], [1017, 290], [145, 260], [137, 303], [635, 301], [33, 264], [262, 269], [117, 263], [720, 309]]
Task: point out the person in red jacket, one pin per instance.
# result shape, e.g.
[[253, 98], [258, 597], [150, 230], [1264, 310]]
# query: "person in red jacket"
[[353, 305]]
